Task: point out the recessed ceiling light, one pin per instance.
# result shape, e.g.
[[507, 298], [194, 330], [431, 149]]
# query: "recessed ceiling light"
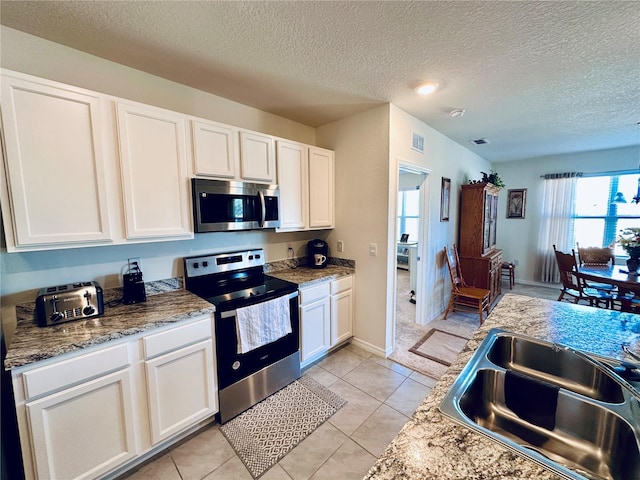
[[427, 88], [458, 112]]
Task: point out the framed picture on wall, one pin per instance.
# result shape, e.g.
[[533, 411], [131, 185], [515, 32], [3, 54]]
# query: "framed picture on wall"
[[516, 201], [445, 197]]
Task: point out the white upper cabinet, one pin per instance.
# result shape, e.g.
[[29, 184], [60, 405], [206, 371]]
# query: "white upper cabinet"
[[215, 149], [257, 157], [54, 165], [153, 154], [321, 188], [293, 180]]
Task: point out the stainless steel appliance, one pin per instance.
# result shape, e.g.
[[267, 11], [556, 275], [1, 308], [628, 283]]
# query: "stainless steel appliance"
[[227, 206], [73, 301], [232, 281]]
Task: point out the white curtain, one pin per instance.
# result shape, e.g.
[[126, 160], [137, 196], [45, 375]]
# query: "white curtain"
[[556, 226]]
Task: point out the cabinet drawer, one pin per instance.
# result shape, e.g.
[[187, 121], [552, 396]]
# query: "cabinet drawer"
[[311, 294], [177, 337], [75, 370], [341, 285], [495, 262]]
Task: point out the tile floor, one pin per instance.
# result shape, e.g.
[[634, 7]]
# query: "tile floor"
[[381, 397]]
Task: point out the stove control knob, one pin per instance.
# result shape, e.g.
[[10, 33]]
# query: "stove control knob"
[[88, 310], [196, 265], [235, 365], [205, 264], [55, 316]]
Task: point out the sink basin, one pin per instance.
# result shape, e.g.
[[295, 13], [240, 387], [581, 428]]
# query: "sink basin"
[[555, 365], [550, 404]]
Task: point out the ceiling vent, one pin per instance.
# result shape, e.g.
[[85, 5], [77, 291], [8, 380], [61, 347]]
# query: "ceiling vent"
[[480, 141], [417, 142]]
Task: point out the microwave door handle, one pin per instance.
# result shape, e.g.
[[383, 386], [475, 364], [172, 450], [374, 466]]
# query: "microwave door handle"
[[263, 208]]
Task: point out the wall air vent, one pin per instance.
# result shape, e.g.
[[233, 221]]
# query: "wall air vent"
[[417, 142], [480, 141]]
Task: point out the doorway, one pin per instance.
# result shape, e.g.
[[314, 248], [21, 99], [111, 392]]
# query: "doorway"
[[410, 242]]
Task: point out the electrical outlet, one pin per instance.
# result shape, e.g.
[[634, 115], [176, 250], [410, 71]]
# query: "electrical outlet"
[[373, 249], [340, 246]]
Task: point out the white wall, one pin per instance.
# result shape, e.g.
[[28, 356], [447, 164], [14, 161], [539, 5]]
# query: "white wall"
[[518, 237], [361, 144], [22, 274], [369, 147]]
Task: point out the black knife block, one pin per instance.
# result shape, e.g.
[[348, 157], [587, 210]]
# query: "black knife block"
[[133, 288]]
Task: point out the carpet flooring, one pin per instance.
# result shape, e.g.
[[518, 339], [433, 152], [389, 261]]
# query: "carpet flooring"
[[269, 430]]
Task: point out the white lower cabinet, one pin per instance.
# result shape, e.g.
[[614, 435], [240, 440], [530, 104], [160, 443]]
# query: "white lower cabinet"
[[181, 385], [315, 326], [84, 431], [97, 412], [326, 317]]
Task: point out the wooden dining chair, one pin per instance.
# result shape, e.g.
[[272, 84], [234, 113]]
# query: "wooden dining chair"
[[575, 287], [597, 257], [463, 297]]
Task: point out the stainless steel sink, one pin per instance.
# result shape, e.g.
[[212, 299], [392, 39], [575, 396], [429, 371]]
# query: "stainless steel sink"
[[559, 407]]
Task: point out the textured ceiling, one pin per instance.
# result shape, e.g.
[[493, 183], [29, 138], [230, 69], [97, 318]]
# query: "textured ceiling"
[[535, 78]]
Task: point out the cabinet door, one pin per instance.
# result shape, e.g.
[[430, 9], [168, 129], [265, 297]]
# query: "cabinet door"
[[315, 328], [84, 431], [293, 181], [321, 188], [154, 172], [214, 149], [54, 162], [257, 157], [181, 389], [341, 317]]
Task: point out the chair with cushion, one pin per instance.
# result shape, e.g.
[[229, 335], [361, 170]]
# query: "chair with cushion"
[[463, 297], [575, 287]]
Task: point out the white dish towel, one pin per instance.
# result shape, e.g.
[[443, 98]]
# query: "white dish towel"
[[263, 323]]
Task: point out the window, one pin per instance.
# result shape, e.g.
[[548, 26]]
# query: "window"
[[597, 220], [408, 213]]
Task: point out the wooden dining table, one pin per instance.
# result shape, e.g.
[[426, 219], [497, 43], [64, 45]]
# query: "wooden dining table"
[[616, 275]]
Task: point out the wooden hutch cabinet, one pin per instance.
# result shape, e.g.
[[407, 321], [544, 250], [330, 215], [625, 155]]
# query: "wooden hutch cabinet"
[[480, 260]]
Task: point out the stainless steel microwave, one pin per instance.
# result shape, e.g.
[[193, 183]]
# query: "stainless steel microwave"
[[220, 206]]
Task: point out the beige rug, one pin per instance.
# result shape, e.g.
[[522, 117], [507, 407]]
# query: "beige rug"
[[439, 346]]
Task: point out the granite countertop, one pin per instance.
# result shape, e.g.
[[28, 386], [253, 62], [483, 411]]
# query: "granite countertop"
[[430, 446], [306, 276], [167, 303]]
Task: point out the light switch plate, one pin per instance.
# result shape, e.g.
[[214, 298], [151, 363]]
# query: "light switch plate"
[[373, 249]]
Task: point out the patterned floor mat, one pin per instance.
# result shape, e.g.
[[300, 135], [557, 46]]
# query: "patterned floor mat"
[[269, 430]]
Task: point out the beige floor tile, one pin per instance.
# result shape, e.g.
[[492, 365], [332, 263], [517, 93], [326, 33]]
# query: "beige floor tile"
[[341, 362], [423, 379], [202, 454], [321, 375], [358, 408], [396, 367], [233, 469], [301, 462], [374, 379], [379, 429], [162, 467], [408, 396], [350, 462], [276, 473], [358, 350]]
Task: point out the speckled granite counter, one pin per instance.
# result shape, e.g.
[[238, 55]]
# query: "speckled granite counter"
[[166, 303], [305, 276], [430, 446]]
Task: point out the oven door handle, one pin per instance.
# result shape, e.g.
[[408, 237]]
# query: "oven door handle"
[[232, 313]]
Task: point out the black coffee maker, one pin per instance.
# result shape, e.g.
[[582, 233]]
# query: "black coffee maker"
[[318, 252]]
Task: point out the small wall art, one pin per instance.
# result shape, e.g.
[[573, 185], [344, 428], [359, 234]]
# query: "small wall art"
[[516, 202], [445, 198]]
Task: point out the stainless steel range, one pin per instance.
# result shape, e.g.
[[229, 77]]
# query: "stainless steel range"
[[256, 326]]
